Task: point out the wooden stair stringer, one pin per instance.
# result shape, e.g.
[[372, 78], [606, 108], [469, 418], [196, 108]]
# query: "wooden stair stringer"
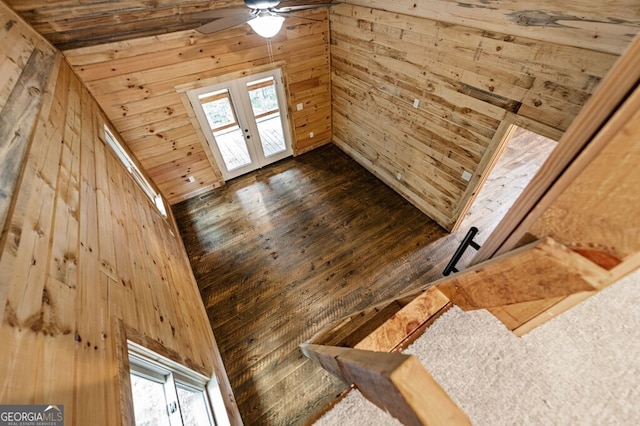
[[522, 288]]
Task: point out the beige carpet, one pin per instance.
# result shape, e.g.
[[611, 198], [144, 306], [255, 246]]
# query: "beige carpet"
[[581, 368]]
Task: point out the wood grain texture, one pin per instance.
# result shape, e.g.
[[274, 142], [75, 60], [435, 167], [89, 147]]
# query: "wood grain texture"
[[70, 24], [237, 230], [85, 246], [405, 322], [551, 312], [538, 271], [552, 179], [522, 156], [396, 383], [516, 314], [28, 63], [503, 134], [607, 227], [351, 330], [605, 26], [283, 252], [135, 83], [467, 81]]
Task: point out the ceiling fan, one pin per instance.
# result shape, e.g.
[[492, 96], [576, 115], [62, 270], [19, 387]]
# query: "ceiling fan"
[[264, 16]]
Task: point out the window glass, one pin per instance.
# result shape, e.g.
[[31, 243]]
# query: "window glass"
[[148, 402], [263, 96], [217, 108], [193, 406]]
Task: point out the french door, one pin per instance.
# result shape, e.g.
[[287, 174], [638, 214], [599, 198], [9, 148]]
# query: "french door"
[[245, 122]]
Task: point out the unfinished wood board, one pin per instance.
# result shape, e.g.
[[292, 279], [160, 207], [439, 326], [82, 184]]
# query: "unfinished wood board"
[[498, 144], [405, 322], [348, 332], [554, 310], [19, 109], [514, 315], [395, 382], [597, 214], [538, 271]]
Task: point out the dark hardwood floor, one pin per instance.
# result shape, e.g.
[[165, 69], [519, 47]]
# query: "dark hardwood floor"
[[282, 252]]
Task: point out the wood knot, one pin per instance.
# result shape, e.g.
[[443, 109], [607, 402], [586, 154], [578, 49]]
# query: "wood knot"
[[523, 20], [34, 91]]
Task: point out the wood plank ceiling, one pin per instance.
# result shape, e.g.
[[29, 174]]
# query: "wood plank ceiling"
[[70, 24]]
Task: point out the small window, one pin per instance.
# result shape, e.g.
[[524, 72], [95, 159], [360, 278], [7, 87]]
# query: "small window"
[[168, 394], [135, 172]]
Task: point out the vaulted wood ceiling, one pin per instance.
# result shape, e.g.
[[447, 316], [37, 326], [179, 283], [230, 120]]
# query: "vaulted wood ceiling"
[[70, 24]]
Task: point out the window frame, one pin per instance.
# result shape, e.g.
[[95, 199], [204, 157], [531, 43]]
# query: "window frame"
[[152, 366], [120, 152]]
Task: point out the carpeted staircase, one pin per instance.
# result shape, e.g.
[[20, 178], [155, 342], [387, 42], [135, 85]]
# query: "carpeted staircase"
[[581, 367]]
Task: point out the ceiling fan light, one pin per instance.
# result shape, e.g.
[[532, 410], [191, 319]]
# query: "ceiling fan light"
[[267, 26]]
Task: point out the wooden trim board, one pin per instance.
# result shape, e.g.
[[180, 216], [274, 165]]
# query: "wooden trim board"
[[542, 270], [395, 382]]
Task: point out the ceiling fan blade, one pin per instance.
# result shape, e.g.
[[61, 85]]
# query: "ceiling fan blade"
[[226, 22], [219, 13], [287, 9]]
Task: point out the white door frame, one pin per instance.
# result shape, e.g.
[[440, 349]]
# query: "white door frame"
[[242, 105]]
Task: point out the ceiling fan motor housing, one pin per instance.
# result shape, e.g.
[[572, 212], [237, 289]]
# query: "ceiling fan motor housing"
[[261, 4]]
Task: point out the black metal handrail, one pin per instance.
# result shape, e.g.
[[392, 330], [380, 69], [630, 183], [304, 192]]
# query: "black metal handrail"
[[466, 242]]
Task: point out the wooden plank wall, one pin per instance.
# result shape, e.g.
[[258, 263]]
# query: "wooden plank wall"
[[25, 63], [85, 247], [467, 81], [135, 82]]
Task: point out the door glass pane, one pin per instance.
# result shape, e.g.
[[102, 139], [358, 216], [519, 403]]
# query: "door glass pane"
[[193, 407], [222, 119], [264, 103], [149, 403]]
